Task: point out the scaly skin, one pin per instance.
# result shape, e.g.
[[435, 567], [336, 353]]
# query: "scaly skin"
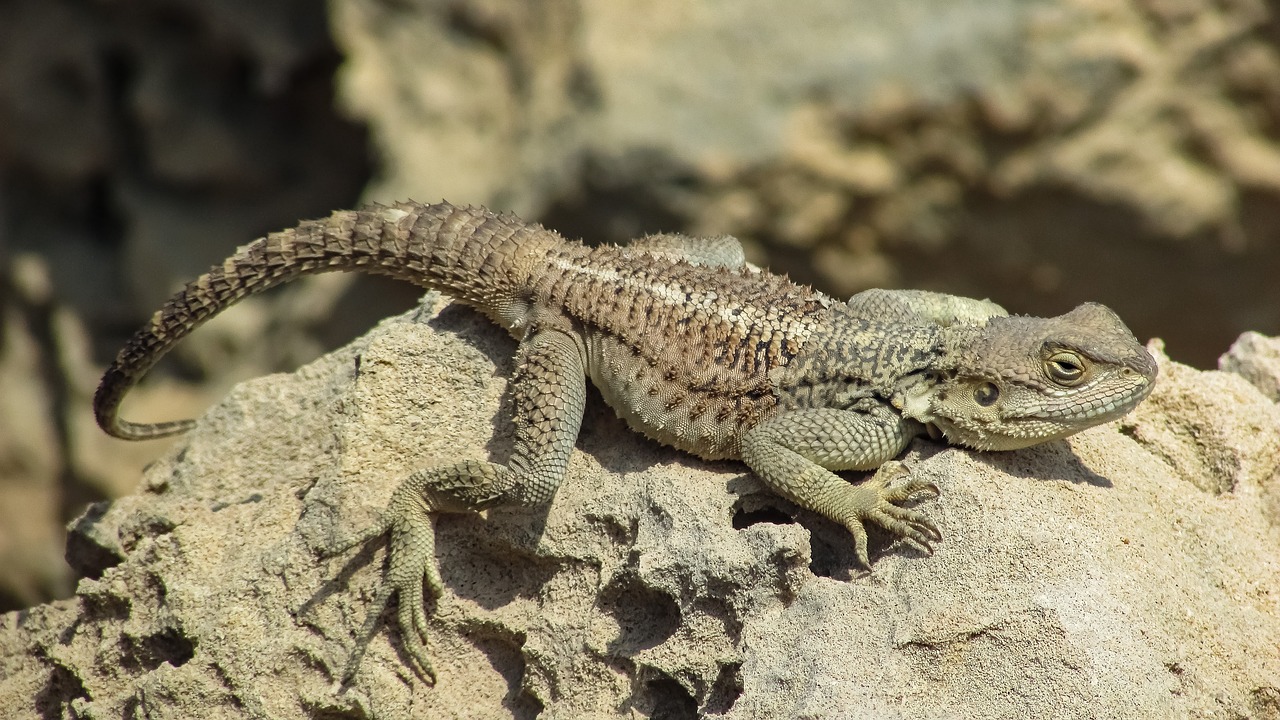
[[693, 348]]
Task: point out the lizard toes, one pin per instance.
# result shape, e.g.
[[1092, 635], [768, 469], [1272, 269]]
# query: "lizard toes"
[[859, 543], [413, 634], [904, 491], [914, 519], [909, 528]]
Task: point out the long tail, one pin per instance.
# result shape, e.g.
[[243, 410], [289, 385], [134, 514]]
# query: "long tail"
[[479, 257]]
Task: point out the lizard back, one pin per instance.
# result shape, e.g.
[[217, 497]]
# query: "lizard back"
[[686, 354], [682, 352]]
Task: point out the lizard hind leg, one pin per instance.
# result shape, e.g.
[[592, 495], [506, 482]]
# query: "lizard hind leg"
[[410, 519], [548, 393]]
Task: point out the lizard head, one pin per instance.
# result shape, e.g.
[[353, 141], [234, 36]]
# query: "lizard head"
[[1019, 381]]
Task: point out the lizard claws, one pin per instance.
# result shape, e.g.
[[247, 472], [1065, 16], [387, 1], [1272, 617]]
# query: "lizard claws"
[[412, 561], [876, 502]]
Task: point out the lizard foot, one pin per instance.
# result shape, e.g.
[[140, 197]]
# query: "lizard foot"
[[411, 560], [410, 520], [875, 501]]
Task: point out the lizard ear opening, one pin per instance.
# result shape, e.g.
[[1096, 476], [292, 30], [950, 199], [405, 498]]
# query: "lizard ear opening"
[[986, 394]]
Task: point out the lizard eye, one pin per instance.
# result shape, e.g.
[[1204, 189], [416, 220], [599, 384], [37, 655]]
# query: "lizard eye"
[[986, 394], [1065, 367]]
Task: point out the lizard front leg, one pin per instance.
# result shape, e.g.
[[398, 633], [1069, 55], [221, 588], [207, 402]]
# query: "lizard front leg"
[[720, 251], [796, 452], [548, 391], [922, 306]]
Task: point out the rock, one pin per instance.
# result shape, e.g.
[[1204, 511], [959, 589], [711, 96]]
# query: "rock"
[[1038, 153], [1255, 358], [1129, 572]]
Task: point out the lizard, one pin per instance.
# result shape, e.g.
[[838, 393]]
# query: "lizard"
[[692, 347]]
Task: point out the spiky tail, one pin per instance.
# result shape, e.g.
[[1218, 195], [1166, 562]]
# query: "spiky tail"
[[479, 257]]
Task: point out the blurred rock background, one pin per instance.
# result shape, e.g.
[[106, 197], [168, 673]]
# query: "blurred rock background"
[[1036, 152]]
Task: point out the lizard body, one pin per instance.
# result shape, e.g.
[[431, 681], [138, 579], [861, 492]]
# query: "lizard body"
[[695, 349]]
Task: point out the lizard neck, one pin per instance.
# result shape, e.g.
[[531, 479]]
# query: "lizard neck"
[[860, 359], [915, 394]]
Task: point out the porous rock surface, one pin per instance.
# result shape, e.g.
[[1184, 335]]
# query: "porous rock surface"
[[1130, 572], [1037, 152]]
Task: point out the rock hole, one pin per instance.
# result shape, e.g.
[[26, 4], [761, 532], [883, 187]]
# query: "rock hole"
[[166, 646], [327, 713], [725, 691], [663, 697], [54, 700], [743, 519], [645, 617]]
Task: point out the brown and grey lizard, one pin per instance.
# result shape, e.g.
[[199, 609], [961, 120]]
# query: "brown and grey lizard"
[[693, 348]]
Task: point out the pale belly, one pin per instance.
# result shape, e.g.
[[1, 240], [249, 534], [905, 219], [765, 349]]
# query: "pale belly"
[[698, 411]]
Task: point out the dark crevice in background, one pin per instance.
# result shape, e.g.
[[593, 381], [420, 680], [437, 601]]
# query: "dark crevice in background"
[[115, 117]]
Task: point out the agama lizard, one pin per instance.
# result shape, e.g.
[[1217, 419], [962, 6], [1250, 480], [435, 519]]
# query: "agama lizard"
[[693, 348]]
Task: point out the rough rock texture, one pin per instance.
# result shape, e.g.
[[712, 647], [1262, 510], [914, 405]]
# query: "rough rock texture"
[[1129, 573], [1256, 358], [1038, 152]]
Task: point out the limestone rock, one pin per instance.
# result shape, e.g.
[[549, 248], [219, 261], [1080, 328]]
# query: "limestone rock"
[[1129, 572], [1255, 358]]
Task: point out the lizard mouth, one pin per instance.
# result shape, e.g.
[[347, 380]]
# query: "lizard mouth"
[[1105, 403], [1096, 409], [1065, 414]]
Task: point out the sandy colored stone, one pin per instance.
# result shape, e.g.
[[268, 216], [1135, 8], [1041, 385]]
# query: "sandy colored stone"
[[1256, 358], [1130, 572]]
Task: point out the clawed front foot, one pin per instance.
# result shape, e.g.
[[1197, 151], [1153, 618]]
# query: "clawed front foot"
[[877, 502], [798, 452]]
